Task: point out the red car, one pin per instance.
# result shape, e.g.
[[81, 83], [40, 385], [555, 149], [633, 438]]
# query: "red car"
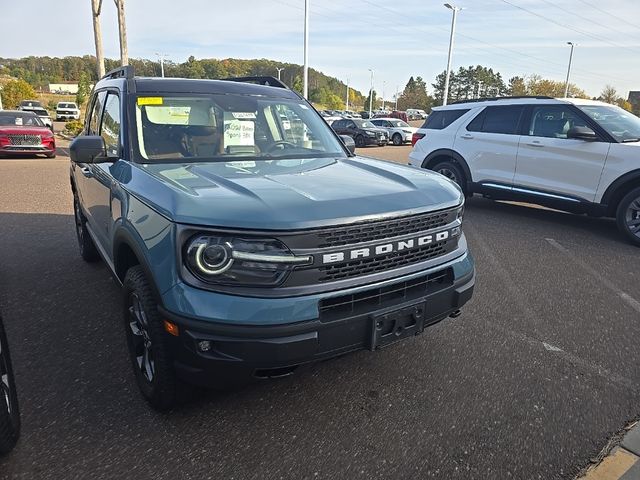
[[23, 133]]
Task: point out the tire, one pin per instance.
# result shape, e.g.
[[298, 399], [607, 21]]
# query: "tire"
[[51, 155], [628, 216], [453, 172], [397, 139], [360, 141], [88, 250], [151, 359], [9, 408]]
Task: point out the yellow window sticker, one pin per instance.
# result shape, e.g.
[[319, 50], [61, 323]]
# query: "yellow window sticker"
[[150, 101]]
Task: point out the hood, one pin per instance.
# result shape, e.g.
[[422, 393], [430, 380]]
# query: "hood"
[[318, 193], [28, 130]]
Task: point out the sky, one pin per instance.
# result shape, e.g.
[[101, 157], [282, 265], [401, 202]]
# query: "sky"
[[347, 38]]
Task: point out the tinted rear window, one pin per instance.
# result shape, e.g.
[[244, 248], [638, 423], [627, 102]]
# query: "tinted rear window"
[[503, 119], [440, 119]]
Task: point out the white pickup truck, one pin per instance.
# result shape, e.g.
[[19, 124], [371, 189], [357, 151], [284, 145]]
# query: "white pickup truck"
[[67, 111]]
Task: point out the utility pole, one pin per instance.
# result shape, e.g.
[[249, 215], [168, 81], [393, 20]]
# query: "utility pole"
[[122, 28], [347, 102], [455, 10], [96, 7], [371, 93], [279, 70], [305, 74], [566, 83], [397, 90]]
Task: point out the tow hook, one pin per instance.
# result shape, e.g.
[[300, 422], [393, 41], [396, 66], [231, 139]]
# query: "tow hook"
[[456, 314]]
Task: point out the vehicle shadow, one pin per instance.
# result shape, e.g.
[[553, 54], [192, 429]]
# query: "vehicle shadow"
[[478, 208]]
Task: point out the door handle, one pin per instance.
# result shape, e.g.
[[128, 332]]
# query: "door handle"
[[535, 143], [86, 171], [467, 136]]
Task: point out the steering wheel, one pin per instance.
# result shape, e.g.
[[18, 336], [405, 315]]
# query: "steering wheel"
[[282, 143]]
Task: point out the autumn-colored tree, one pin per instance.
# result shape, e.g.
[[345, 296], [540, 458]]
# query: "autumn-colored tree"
[[14, 92]]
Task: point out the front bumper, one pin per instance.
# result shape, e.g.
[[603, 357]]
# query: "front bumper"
[[27, 149], [238, 352]]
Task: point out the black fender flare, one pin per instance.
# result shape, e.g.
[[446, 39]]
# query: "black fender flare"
[[121, 237], [445, 152], [613, 194]]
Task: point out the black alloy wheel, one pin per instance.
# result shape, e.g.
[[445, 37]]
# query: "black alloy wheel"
[[9, 409]]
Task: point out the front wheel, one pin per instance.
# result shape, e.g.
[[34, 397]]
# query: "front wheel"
[[146, 338], [452, 171], [9, 410], [397, 139], [88, 250], [360, 141], [628, 216]]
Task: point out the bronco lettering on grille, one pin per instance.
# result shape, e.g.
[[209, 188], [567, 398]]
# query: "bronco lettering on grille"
[[389, 247]]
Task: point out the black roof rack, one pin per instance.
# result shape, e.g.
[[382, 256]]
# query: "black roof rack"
[[492, 99], [266, 80], [120, 72]]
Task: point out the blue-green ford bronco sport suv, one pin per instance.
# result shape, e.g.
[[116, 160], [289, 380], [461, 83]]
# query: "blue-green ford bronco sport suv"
[[248, 237]]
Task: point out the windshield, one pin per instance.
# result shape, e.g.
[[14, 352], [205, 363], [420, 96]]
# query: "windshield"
[[399, 123], [228, 127], [364, 124], [66, 105], [30, 103], [19, 120], [624, 126]]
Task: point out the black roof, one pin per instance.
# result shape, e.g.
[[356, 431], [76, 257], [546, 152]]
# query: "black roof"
[[188, 85]]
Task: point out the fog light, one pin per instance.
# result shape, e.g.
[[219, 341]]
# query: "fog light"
[[204, 345]]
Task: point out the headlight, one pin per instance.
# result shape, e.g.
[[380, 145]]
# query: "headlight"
[[407, 131], [460, 212], [370, 134], [229, 260]]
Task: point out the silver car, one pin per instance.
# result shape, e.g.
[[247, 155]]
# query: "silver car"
[[400, 132]]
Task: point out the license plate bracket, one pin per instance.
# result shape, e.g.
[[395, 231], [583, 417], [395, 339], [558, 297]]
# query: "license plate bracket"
[[396, 324]]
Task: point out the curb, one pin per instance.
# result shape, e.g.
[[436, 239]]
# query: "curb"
[[622, 463]]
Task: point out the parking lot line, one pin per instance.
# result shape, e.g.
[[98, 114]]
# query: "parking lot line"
[[628, 299]]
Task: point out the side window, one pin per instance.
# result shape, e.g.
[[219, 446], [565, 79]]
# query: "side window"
[[338, 124], [441, 119], [96, 110], [110, 126], [500, 119], [553, 121], [351, 124]]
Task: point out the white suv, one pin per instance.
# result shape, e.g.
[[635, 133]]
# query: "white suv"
[[580, 156]]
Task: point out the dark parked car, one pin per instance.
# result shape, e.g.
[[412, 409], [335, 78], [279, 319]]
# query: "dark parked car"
[[9, 411], [248, 238], [363, 132]]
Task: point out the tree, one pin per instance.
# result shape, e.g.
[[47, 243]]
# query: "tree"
[[468, 83], [14, 92], [415, 95], [517, 87], [368, 102], [626, 104], [609, 94], [84, 89]]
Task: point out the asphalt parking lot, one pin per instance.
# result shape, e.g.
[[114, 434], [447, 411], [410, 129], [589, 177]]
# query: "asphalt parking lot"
[[531, 382]]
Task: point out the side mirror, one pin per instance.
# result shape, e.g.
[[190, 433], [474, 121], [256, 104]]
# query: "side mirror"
[[88, 149], [349, 143], [582, 133]]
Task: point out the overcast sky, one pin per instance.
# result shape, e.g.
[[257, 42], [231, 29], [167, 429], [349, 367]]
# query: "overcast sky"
[[396, 39]]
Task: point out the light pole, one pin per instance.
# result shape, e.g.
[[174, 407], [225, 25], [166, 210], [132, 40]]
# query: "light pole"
[[397, 90], [305, 74], [453, 31], [161, 57], [383, 84], [279, 70], [371, 93], [347, 102], [566, 84]]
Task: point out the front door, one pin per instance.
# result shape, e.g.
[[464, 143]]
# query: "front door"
[[550, 162]]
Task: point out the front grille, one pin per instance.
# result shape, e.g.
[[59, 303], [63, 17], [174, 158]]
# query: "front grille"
[[373, 299], [376, 230], [24, 140], [391, 261]]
